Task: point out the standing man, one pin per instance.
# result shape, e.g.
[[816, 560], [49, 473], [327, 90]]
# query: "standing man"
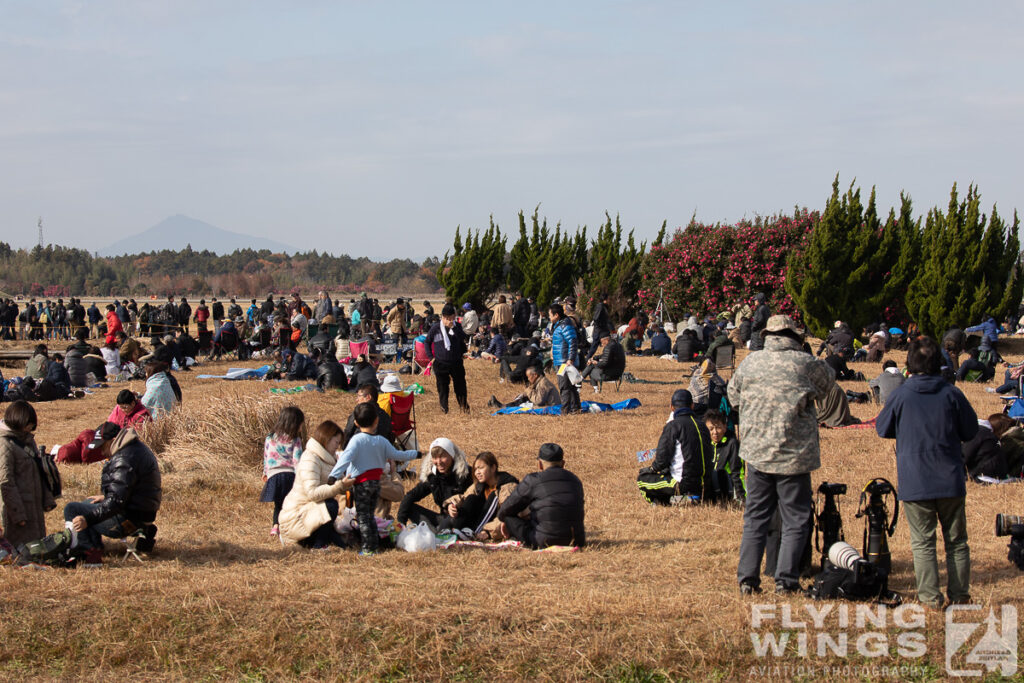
[[217, 313], [446, 344], [775, 390], [758, 322], [501, 316], [521, 315], [929, 418], [396, 321], [563, 357], [554, 497]]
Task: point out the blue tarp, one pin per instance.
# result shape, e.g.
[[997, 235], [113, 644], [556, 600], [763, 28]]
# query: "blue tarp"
[[241, 373], [585, 406]]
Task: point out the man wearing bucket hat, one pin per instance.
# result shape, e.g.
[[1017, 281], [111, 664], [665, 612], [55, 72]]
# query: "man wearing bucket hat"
[[130, 495], [775, 392], [554, 497]]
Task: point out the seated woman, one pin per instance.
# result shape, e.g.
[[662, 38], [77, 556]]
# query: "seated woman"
[[475, 513], [159, 398], [310, 508], [982, 454], [444, 475], [129, 411], [706, 382], [342, 349], [80, 451], [111, 359]]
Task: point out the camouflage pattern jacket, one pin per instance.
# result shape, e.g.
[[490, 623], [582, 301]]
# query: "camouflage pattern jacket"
[[774, 391]]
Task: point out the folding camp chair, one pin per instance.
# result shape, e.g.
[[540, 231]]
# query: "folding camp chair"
[[403, 423], [356, 349], [724, 357], [420, 357]]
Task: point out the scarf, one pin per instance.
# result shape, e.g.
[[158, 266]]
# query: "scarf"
[[447, 345]]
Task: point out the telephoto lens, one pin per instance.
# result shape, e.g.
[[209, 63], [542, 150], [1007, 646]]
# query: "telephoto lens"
[[1004, 522], [843, 555]]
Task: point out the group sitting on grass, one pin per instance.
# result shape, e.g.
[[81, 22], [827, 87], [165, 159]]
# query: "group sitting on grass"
[[306, 484]]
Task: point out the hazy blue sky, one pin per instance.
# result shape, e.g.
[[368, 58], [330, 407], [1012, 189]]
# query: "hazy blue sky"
[[374, 128]]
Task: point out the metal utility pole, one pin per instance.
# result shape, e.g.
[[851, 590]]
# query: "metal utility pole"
[[40, 224]]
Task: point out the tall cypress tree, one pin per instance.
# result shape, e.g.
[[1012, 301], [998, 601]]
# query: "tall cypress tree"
[[970, 266], [474, 269], [614, 268]]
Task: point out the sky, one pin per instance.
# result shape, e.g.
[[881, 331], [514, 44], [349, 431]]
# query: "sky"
[[374, 129]]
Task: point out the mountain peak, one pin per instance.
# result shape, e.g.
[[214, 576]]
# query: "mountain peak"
[[179, 230]]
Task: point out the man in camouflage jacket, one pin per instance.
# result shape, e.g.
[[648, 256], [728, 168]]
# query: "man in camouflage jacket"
[[775, 391]]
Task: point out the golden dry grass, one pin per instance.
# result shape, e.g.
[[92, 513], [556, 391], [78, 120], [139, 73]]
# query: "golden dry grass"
[[654, 594]]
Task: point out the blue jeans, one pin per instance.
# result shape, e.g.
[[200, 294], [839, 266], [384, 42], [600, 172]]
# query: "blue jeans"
[[112, 527]]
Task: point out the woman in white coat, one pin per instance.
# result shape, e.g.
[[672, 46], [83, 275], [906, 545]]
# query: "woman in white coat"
[[308, 514]]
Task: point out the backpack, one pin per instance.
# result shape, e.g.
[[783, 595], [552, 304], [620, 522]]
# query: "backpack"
[[52, 550], [49, 473], [835, 583]]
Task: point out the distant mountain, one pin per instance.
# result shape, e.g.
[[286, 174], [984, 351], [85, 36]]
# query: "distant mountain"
[[176, 232]]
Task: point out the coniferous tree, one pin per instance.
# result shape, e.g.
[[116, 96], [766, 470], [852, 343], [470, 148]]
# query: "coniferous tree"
[[473, 271], [969, 266], [614, 269]]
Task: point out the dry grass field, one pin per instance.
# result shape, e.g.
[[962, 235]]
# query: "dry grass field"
[[653, 597]]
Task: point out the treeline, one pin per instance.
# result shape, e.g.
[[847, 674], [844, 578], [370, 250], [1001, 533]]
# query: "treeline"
[[545, 264], [952, 267], [54, 270]]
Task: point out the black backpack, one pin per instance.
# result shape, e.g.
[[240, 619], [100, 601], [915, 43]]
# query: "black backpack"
[[836, 583]]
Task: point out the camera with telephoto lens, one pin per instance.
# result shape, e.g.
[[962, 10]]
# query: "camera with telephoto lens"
[[845, 556], [1012, 526], [1004, 522]]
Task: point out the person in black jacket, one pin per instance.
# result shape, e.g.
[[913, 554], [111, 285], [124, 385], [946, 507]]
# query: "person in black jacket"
[[58, 375], [682, 470], [368, 393], [443, 475], [758, 321], [554, 496], [130, 496], [301, 368], [446, 344], [609, 366], [728, 467], [982, 454], [687, 347], [329, 373]]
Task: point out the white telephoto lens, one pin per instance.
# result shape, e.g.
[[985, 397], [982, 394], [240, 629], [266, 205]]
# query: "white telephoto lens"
[[843, 555]]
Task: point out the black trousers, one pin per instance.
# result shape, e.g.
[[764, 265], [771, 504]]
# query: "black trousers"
[[326, 535], [454, 374], [570, 396], [522, 530]]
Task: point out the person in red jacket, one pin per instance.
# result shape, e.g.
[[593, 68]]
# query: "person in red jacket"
[[113, 325], [129, 411], [78, 452]]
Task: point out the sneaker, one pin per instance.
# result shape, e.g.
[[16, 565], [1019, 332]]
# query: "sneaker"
[[93, 559], [990, 390], [493, 402], [366, 553], [275, 531], [749, 589]]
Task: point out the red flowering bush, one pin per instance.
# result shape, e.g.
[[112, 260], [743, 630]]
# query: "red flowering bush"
[[708, 268]]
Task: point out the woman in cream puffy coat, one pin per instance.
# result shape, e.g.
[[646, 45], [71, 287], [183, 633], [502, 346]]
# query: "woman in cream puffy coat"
[[308, 514]]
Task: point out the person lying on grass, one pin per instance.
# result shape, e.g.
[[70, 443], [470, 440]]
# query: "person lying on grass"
[[364, 460]]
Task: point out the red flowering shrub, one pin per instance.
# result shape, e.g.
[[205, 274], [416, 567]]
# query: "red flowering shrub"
[[708, 268]]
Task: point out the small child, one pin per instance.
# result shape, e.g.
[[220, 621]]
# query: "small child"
[[364, 459], [281, 453], [728, 476]]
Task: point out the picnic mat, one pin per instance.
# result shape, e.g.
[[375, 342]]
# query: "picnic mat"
[[585, 407], [240, 373], [866, 424]]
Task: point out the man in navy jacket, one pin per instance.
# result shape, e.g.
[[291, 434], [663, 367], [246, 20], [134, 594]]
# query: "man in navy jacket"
[[929, 418]]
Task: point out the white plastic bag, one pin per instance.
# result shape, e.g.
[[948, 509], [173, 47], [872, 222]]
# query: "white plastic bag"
[[417, 539], [344, 522]]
